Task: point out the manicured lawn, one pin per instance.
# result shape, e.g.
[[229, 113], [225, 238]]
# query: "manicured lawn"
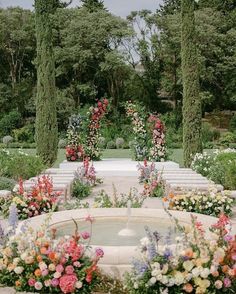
[[175, 154]]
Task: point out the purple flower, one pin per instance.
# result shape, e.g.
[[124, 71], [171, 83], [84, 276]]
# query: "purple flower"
[[55, 282], [99, 252], [167, 253], [139, 267], [228, 238], [227, 282], [85, 235]]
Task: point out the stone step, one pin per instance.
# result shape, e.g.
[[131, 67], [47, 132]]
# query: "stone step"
[[180, 176], [188, 181], [189, 187], [58, 171]]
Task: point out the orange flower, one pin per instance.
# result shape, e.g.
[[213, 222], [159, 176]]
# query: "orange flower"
[[43, 250], [188, 288], [215, 274], [225, 269], [52, 256], [171, 195], [164, 199], [37, 272], [18, 283], [39, 258], [189, 253]]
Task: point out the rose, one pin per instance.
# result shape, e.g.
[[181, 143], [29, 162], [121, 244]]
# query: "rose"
[[59, 268], [218, 284], [67, 283], [227, 282], [55, 282], [69, 270], [38, 285], [188, 288], [18, 270], [31, 282]]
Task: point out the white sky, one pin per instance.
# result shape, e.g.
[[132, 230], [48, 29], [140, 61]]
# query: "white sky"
[[118, 7]]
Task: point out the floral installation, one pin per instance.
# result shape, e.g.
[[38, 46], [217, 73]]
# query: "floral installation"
[[135, 112], [158, 149], [200, 262], [39, 200], [74, 148], [209, 202], [37, 261], [92, 149], [152, 180]]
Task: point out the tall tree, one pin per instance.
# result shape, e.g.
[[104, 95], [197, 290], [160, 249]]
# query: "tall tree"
[[190, 74], [46, 119], [93, 5]]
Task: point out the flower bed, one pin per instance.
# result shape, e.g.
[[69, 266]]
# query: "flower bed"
[[41, 199], [196, 264], [209, 203], [36, 261]]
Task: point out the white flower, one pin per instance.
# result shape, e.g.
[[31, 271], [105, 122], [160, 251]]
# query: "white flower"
[[205, 273], [152, 281], [78, 285], [144, 241], [18, 270], [38, 285]]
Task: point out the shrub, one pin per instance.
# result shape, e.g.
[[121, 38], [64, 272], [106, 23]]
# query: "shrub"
[[120, 143], [227, 138], [25, 134], [202, 163], [9, 122], [111, 145], [18, 164], [7, 139], [18, 145], [7, 184], [62, 144], [232, 124], [102, 142], [80, 190]]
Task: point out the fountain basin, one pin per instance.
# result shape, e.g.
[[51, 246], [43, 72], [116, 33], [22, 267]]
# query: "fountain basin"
[[117, 258]]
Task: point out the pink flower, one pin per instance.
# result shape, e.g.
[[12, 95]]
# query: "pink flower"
[[85, 235], [44, 272], [67, 283], [69, 269], [227, 282], [59, 268], [38, 285], [77, 264], [99, 252], [55, 282], [31, 282], [89, 218]]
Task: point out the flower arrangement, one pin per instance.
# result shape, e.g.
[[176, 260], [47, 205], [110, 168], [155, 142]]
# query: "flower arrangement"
[[209, 203], [136, 113], [158, 149], [41, 199], [36, 261], [74, 148], [196, 264], [92, 149], [153, 184]]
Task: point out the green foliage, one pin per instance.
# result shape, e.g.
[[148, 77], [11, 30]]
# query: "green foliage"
[[111, 145], [7, 184], [46, 133], [233, 123], [227, 138], [209, 134], [24, 134], [80, 190], [7, 140], [17, 165], [9, 122], [191, 100]]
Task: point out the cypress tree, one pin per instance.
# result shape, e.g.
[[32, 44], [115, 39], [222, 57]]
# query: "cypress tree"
[[191, 99], [46, 119]]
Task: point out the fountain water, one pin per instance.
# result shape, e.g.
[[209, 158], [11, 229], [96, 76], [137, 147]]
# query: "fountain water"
[[127, 232]]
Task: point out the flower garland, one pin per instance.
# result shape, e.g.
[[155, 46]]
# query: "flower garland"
[[74, 148], [92, 149], [196, 264], [158, 150], [135, 112]]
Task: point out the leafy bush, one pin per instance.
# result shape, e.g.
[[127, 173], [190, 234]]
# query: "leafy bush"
[[111, 145], [102, 142], [17, 145], [232, 124], [120, 143], [25, 134], [202, 163], [227, 138], [209, 134], [80, 190], [9, 122], [18, 164], [7, 184], [62, 144], [7, 139]]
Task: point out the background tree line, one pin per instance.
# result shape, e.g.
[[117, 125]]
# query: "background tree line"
[[98, 54]]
